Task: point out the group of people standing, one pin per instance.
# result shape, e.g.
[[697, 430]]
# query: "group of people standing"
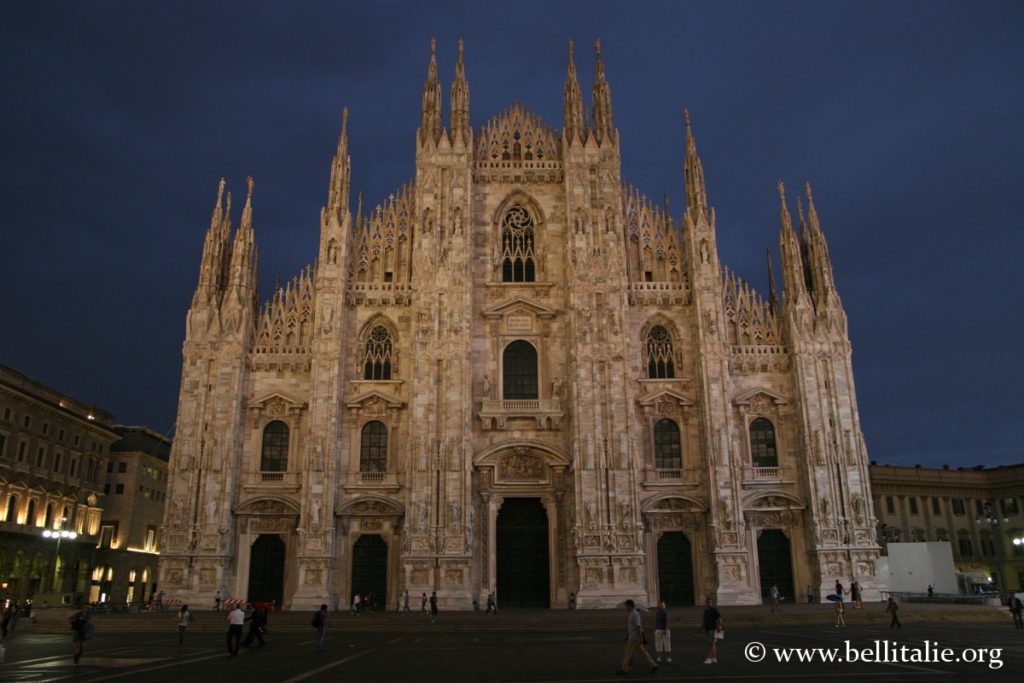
[[636, 639]]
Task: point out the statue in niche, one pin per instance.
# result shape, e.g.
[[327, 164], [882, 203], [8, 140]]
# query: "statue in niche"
[[211, 511], [314, 513], [486, 386], [591, 515], [454, 513], [556, 387], [825, 509]]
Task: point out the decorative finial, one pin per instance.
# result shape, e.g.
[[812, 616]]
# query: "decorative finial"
[[461, 45], [597, 47], [344, 119], [807, 188], [433, 47], [570, 49], [686, 116], [251, 183], [782, 191]]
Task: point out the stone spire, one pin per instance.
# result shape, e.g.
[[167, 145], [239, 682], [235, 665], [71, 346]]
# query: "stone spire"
[[819, 264], [341, 175], [460, 129], [792, 261], [602, 101], [243, 276], [773, 289], [572, 107], [212, 265], [430, 123], [696, 191]]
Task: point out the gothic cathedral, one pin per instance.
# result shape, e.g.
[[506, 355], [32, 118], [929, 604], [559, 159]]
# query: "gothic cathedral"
[[517, 374]]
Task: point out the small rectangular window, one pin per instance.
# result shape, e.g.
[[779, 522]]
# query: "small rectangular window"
[[78, 438], [74, 467], [913, 506], [890, 505], [28, 421], [119, 489], [110, 467], [46, 428], [61, 437], [56, 462], [958, 507], [7, 413], [964, 546], [122, 467], [22, 447], [40, 457], [1009, 506], [935, 506], [3, 444], [106, 488], [979, 507]]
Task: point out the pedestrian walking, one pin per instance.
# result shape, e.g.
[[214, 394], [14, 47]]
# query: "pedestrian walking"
[[839, 589], [8, 616], [320, 624], [931, 591], [356, 602], [840, 609], [257, 623], [1017, 610], [12, 627], [216, 602], [184, 618], [81, 631], [810, 595], [662, 634], [893, 608], [492, 604], [236, 619], [160, 601], [635, 640], [855, 595], [774, 592], [711, 625], [423, 604], [433, 604], [405, 602]]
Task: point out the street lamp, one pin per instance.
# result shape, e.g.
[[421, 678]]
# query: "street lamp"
[[988, 515], [60, 534]]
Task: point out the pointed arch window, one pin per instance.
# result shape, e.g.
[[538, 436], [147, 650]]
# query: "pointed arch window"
[[517, 246], [377, 358], [668, 453], [660, 357], [519, 371], [373, 448], [274, 457], [762, 443]]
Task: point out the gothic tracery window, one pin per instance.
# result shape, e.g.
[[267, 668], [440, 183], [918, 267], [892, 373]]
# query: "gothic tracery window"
[[668, 453], [519, 371], [517, 246], [373, 448], [377, 358], [762, 443], [660, 360], [274, 456]]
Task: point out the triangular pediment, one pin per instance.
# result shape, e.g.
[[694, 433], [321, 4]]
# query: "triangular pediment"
[[664, 395], [278, 397], [516, 135], [751, 396], [521, 303], [374, 396]]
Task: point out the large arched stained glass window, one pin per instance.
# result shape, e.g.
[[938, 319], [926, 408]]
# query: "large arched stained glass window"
[[373, 448], [668, 454], [377, 358], [762, 443], [517, 246], [660, 361], [274, 457], [519, 371]]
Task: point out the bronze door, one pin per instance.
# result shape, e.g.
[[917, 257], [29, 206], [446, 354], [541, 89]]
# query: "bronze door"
[[266, 570], [675, 569], [776, 565], [370, 568], [522, 554]]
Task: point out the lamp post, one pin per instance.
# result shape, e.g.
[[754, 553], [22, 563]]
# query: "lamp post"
[[60, 534], [988, 516]]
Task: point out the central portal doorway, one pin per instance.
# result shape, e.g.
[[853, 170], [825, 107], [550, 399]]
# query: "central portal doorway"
[[522, 557], [774, 558], [370, 568], [675, 569], [266, 570]]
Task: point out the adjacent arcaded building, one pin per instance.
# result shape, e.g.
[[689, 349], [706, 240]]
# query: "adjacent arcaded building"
[[516, 374]]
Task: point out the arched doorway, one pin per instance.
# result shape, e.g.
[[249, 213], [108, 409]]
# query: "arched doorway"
[[266, 570], [675, 569], [370, 568], [776, 565], [522, 558]]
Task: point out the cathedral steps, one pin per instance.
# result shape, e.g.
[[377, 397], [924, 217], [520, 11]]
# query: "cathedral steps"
[[683, 618]]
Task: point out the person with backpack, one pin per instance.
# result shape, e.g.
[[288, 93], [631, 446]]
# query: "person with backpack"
[[320, 624], [81, 631]]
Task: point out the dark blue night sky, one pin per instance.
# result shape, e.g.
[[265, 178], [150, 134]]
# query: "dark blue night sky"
[[119, 118]]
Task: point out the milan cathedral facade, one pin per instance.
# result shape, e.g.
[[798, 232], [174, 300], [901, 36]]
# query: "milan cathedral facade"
[[518, 375]]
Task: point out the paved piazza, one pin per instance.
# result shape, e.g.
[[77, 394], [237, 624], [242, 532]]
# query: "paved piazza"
[[437, 653]]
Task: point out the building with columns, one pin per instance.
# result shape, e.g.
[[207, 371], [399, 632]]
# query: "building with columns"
[[518, 374]]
